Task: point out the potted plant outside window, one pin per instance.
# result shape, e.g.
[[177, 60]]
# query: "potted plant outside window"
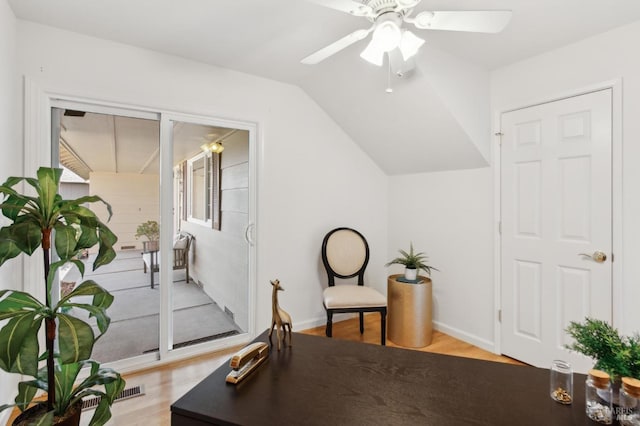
[[151, 230], [66, 226]]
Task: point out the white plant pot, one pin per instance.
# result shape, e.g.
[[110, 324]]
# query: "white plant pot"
[[410, 274]]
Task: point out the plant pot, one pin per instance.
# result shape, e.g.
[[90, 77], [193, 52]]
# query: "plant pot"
[[409, 312], [70, 418], [410, 273], [152, 245]]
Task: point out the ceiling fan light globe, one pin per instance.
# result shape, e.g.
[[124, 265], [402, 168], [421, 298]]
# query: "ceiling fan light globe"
[[408, 3], [410, 44], [387, 36], [373, 54]]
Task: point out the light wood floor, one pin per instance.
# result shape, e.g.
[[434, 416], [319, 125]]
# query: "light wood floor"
[[441, 343], [164, 385]]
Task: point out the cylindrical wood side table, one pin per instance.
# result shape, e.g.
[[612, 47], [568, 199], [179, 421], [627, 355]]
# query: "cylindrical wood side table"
[[409, 315]]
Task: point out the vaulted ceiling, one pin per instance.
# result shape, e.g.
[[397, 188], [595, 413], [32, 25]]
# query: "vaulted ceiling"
[[437, 118]]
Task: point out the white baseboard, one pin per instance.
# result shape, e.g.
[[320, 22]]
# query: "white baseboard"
[[4, 416], [485, 344], [317, 322]]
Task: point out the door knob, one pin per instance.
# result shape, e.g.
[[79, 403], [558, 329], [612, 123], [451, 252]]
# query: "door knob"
[[597, 256]]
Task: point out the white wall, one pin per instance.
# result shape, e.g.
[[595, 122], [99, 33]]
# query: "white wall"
[[594, 60], [436, 119], [449, 216], [72, 190], [334, 182], [463, 88], [10, 160], [134, 199]]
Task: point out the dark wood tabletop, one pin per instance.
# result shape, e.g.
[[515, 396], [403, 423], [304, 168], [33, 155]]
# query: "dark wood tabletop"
[[322, 381]]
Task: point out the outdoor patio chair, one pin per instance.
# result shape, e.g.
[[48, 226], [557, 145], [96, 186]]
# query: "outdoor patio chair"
[[181, 247]]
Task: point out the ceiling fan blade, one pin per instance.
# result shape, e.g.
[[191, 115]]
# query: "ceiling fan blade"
[[348, 6], [479, 21], [335, 47]]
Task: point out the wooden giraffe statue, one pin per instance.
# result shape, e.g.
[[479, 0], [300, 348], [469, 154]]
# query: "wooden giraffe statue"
[[279, 318]]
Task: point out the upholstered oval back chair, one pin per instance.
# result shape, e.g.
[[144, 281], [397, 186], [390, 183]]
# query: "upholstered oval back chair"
[[345, 254]]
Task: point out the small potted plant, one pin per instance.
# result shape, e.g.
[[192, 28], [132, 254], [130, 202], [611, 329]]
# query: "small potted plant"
[[151, 230], [48, 221], [413, 263]]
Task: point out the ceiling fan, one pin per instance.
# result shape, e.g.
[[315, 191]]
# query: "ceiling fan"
[[387, 17]]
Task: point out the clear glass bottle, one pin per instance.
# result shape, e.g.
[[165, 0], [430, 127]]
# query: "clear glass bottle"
[[561, 382], [629, 414], [598, 397]]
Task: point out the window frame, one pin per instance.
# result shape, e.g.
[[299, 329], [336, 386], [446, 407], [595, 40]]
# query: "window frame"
[[211, 191]]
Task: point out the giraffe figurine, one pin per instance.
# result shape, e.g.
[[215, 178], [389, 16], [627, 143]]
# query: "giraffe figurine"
[[280, 319]]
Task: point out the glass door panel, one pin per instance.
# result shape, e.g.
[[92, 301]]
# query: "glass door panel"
[[117, 158], [209, 289]]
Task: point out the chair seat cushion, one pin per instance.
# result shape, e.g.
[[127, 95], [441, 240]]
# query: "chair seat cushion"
[[180, 242], [352, 296]]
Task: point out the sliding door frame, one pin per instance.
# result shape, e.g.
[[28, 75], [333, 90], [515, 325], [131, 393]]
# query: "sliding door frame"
[[167, 121], [38, 104]]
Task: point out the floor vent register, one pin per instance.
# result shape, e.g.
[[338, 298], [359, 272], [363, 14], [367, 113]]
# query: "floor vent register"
[[132, 392]]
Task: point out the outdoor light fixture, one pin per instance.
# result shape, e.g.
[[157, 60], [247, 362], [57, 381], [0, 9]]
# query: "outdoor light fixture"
[[213, 147]]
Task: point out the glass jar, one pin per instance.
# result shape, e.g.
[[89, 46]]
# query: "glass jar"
[[598, 396], [561, 382], [629, 414]]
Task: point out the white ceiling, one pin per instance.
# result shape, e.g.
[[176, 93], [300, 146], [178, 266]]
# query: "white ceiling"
[[108, 143], [268, 38], [113, 144]]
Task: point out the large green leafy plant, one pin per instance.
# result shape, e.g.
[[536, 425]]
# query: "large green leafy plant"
[[44, 220], [617, 355]]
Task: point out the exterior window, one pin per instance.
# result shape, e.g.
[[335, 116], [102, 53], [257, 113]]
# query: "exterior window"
[[203, 182]]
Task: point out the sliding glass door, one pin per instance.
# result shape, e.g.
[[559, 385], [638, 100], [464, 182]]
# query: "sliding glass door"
[[182, 190]]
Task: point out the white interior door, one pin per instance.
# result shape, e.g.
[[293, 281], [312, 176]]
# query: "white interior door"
[[556, 204]]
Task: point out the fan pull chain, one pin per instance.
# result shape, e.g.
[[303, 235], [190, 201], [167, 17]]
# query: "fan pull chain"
[[389, 89]]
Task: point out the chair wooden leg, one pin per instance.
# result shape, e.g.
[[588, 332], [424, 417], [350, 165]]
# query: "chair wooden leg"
[[328, 330], [383, 328], [361, 322], [144, 266], [187, 269]]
